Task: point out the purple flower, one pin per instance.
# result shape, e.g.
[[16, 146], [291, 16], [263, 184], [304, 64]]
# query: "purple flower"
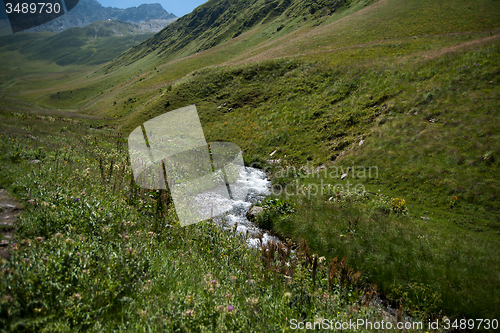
[[76, 200], [230, 308]]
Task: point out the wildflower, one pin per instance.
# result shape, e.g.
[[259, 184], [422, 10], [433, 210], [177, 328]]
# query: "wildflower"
[[40, 239], [101, 208], [252, 300], [150, 233], [68, 240], [189, 313], [130, 251], [288, 295], [105, 228], [84, 271], [149, 281], [76, 199], [230, 308], [77, 296], [14, 246], [188, 298], [228, 295]]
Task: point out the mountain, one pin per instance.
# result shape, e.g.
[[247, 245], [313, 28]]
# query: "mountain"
[[216, 21], [97, 43], [90, 11]]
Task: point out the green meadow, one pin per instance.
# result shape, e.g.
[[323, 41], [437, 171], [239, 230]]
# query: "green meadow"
[[402, 97]]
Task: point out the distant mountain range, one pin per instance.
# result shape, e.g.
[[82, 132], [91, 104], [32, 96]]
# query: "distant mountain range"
[[86, 12]]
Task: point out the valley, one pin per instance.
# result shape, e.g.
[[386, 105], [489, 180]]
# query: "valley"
[[411, 88]]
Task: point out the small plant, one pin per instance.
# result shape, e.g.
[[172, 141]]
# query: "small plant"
[[382, 204], [399, 206], [488, 157], [418, 299], [453, 201], [277, 205]]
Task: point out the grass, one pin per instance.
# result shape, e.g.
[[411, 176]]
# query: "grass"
[[366, 87], [94, 253], [412, 117]]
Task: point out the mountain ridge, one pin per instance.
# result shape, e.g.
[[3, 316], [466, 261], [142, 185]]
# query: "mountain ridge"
[[215, 22], [90, 11]]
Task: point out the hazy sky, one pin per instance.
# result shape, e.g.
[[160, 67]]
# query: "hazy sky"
[[178, 7]]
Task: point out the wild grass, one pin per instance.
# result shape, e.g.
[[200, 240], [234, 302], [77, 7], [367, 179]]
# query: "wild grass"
[[424, 266], [94, 253], [380, 87]]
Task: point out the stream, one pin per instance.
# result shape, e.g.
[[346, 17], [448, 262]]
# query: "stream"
[[255, 184]]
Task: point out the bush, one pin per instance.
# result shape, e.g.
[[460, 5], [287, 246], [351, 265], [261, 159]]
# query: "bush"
[[399, 206]]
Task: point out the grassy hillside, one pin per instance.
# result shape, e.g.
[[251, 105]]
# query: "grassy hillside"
[[95, 44], [411, 88], [95, 253], [215, 22]]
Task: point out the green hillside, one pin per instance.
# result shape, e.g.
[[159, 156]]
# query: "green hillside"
[[94, 44], [215, 22], [409, 88]]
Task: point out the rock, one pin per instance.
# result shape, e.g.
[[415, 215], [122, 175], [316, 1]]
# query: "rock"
[[4, 242], [253, 212], [344, 176], [7, 206], [274, 161], [321, 167], [270, 155], [425, 218], [361, 142], [35, 161]]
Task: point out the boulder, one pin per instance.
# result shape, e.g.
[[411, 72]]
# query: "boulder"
[[253, 212]]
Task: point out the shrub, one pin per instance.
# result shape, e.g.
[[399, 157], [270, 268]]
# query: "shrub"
[[399, 206]]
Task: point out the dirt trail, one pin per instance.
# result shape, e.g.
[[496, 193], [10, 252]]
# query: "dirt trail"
[[9, 209]]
